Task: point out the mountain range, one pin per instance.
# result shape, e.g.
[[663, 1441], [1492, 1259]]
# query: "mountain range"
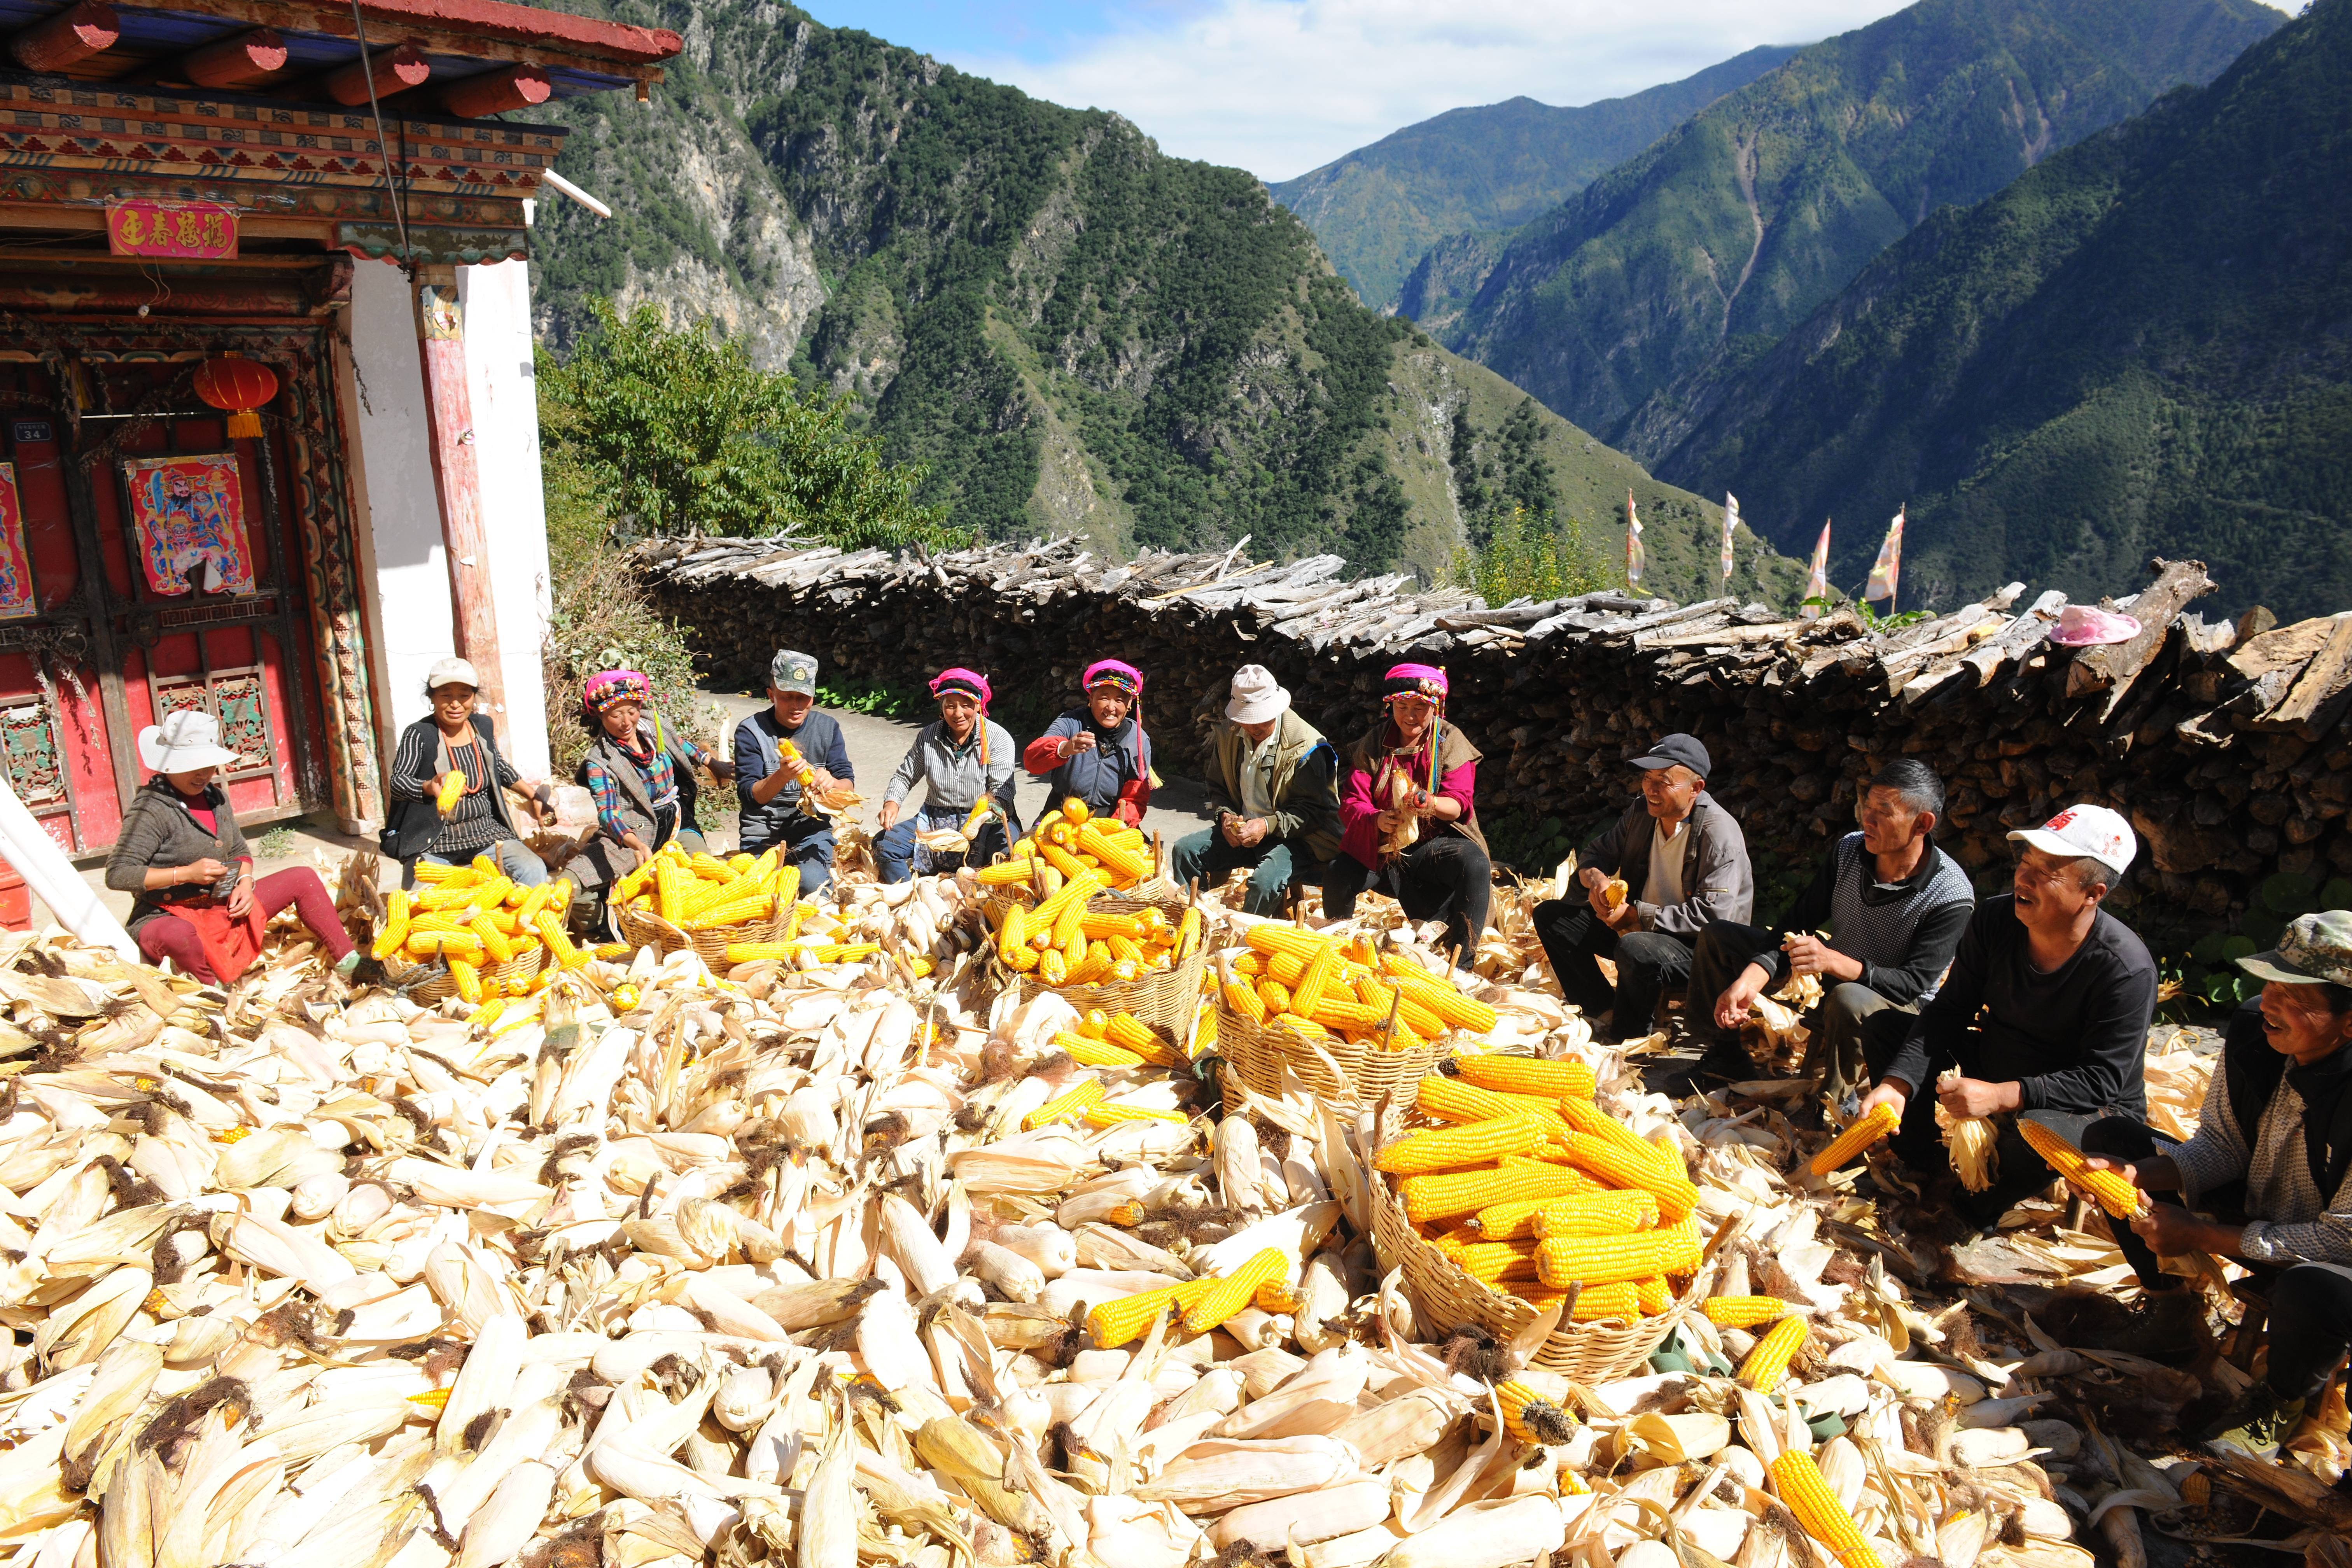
[[1702, 251], [1377, 211], [1071, 330], [2142, 346]]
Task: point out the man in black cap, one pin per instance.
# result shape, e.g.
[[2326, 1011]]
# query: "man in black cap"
[[1674, 864]]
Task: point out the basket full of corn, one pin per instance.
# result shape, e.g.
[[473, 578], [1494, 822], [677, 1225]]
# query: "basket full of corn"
[[1066, 841], [678, 901], [473, 932], [1344, 1020], [1107, 954], [1505, 1191]]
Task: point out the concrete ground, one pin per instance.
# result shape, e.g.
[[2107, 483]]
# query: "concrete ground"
[[876, 745]]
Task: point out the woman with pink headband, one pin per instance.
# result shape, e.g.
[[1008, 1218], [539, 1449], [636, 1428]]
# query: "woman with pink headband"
[[960, 759], [1414, 767], [640, 772], [1100, 752]]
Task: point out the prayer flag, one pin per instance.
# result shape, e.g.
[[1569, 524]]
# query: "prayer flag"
[[1635, 559], [1817, 584], [1730, 522], [1889, 564]]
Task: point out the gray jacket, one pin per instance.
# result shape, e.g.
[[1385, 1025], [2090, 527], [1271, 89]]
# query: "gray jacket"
[[159, 831], [954, 774], [1717, 884]]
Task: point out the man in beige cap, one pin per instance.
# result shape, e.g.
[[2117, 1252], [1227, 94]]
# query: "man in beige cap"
[[1272, 779]]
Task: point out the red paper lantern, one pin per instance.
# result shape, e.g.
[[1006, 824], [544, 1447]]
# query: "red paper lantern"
[[239, 387]]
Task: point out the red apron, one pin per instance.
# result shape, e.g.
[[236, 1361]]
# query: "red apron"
[[230, 944]]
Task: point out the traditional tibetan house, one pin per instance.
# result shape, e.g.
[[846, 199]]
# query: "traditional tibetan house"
[[267, 435]]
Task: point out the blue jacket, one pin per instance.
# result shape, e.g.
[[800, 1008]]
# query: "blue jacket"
[[821, 745], [1098, 777]]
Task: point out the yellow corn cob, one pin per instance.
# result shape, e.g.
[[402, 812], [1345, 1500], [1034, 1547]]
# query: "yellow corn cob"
[[1593, 1302], [1074, 811], [1124, 948], [1563, 1261], [1529, 1076], [1448, 1194], [487, 1013], [468, 977], [1244, 1000], [1530, 1419], [494, 941], [431, 1399], [1587, 1118], [1276, 1297], [1276, 995], [1745, 1311], [1514, 1221], [558, 942], [1457, 1100], [1618, 1213], [848, 951], [1054, 967], [1882, 1120], [1076, 890], [1802, 1486], [1129, 1213], [450, 894], [1188, 933], [718, 917], [611, 950], [1100, 1115], [2114, 1192], [1111, 1324], [395, 927], [745, 951], [1286, 967], [1119, 857], [1231, 1293], [1654, 1293], [1131, 1034], [1067, 1104], [443, 944], [432, 875], [1452, 1148], [452, 791], [1012, 936], [1070, 927], [1095, 1053], [433, 919], [1274, 937], [1458, 1011], [1004, 873], [1769, 1361], [1613, 1164], [1094, 967], [1321, 971], [1492, 1262], [1100, 924]]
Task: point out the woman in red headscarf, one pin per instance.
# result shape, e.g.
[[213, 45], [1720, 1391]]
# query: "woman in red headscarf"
[[1408, 817], [1100, 753]]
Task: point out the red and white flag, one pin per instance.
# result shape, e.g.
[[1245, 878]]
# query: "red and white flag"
[[1730, 522], [1817, 582], [1635, 557], [1889, 564]]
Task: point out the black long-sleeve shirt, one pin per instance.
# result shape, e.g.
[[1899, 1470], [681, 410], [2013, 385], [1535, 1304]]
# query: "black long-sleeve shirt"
[[1937, 883], [2075, 1040]]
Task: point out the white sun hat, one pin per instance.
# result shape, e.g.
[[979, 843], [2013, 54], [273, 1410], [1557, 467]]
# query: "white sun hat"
[[1257, 697], [2081, 831], [184, 741]]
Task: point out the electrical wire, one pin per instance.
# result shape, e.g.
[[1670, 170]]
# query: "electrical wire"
[[383, 145]]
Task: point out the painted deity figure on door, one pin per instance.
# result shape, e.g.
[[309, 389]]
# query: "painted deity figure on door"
[[18, 599], [188, 513]]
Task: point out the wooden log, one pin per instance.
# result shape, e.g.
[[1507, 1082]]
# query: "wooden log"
[[73, 34], [2108, 667], [248, 58]]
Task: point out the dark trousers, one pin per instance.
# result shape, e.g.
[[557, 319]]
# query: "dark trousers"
[[1650, 964], [1205, 857], [1832, 1052], [2018, 1172], [2311, 1303], [807, 843], [1444, 878]]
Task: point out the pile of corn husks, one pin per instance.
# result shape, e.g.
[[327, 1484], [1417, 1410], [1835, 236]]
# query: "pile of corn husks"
[[763, 1269]]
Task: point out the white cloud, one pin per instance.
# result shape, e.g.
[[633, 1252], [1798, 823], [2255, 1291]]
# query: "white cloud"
[[1279, 87]]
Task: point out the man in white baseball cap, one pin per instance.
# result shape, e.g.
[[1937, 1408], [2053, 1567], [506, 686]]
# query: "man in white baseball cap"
[[1274, 780], [2046, 1010]]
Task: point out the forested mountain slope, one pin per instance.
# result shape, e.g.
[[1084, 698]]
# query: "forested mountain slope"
[[2143, 347], [1073, 331], [1687, 260], [1377, 209]]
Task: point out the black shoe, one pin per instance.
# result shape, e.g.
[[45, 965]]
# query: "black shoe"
[[2255, 1425], [1729, 1062]]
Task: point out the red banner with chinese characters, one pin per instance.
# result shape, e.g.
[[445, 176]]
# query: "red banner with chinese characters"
[[184, 231]]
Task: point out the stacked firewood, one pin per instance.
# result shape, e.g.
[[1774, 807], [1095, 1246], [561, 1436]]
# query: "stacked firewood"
[[2223, 742]]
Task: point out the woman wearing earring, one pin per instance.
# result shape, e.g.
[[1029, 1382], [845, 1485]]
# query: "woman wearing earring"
[[1408, 818], [1098, 752], [961, 759]]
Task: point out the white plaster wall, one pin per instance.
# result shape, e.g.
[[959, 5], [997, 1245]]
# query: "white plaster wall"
[[403, 514], [496, 302]]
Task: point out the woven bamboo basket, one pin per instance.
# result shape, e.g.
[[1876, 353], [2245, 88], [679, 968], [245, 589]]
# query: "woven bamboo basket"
[[1443, 1297], [431, 981], [643, 928], [1271, 1058], [1167, 1002]]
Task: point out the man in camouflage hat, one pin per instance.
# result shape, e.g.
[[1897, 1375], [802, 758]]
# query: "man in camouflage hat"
[[768, 790], [2267, 1180]]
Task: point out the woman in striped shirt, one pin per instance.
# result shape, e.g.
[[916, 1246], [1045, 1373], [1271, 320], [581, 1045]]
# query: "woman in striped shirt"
[[454, 738]]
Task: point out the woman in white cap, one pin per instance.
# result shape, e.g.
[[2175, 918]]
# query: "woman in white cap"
[[1274, 780], [184, 856], [454, 738]]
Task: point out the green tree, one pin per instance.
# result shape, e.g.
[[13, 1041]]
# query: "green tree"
[[1528, 556], [680, 430]]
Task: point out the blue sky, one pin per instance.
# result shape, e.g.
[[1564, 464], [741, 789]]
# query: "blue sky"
[[1278, 87]]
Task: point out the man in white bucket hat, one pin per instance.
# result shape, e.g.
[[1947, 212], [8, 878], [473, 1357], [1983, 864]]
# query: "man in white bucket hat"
[[183, 855], [1272, 779], [2046, 1010]]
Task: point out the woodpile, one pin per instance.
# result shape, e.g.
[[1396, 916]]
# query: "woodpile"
[[2223, 744]]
